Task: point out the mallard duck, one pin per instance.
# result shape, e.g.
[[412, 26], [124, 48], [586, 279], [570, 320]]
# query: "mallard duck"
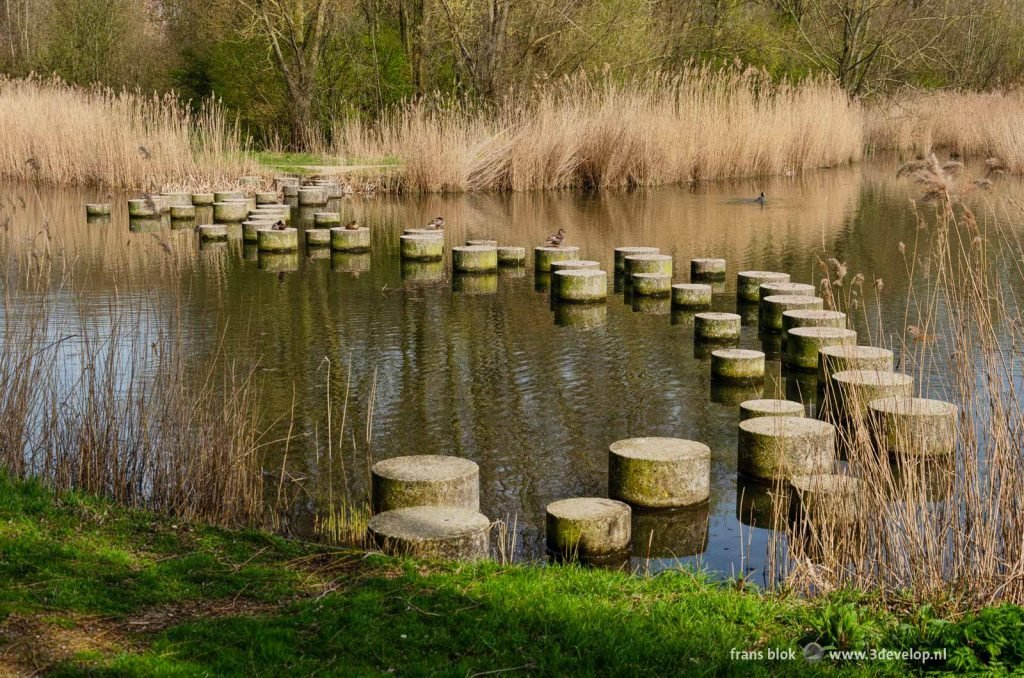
[[436, 224], [278, 226], [761, 199], [556, 239], [352, 225]]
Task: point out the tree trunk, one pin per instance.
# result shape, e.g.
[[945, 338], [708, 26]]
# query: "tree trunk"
[[300, 113]]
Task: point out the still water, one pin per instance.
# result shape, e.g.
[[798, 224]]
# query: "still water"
[[487, 368]]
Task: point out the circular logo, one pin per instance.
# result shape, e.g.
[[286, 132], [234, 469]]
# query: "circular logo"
[[813, 652]]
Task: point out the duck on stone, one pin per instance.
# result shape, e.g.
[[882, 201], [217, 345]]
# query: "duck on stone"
[[436, 224], [352, 225], [556, 239], [279, 226]]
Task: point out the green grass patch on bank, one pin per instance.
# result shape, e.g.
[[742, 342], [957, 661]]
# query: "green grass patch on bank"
[[233, 602], [299, 163]]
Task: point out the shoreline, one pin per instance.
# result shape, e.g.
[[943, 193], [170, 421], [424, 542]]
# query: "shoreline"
[[91, 587]]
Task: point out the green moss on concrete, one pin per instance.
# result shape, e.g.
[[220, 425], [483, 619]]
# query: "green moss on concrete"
[[775, 448], [350, 240]]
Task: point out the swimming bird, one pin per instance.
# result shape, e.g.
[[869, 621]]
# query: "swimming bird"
[[33, 163], [352, 225], [436, 224], [278, 226], [761, 199], [556, 239]]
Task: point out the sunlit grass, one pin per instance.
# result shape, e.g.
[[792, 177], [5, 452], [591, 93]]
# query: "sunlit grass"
[[168, 597]]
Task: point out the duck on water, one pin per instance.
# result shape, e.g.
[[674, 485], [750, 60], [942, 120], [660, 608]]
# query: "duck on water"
[[759, 200]]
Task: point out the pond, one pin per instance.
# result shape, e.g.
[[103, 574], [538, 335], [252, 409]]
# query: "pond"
[[487, 369]]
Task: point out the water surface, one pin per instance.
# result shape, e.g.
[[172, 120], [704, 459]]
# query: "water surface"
[[486, 368]]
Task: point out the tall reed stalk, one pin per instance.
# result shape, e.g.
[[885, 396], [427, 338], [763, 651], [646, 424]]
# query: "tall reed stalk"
[[56, 133], [101, 399], [943, 530], [341, 515], [698, 124], [967, 123]]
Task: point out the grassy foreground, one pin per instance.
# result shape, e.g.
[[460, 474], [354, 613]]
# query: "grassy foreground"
[[86, 587]]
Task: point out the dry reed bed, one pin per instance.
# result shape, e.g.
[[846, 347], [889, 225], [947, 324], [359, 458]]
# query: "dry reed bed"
[[968, 123], [946, 531], [700, 124], [55, 133]]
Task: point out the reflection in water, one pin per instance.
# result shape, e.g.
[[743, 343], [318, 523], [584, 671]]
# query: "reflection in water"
[[542, 281], [278, 262], [683, 317], [703, 348], [214, 246], [733, 394], [935, 475], [670, 534], [475, 283], [502, 379], [652, 305], [146, 225], [318, 253], [511, 272], [583, 316], [802, 387], [748, 313], [423, 271], [771, 346], [351, 262], [761, 504], [717, 285]]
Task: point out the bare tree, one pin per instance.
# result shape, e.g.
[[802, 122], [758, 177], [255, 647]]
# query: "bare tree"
[[297, 31], [862, 42], [21, 22], [411, 18], [482, 52]]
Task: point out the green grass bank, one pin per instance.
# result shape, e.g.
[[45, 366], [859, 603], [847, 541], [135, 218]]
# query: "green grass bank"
[[90, 588]]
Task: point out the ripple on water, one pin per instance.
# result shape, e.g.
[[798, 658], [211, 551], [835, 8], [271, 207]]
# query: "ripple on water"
[[496, 377]]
